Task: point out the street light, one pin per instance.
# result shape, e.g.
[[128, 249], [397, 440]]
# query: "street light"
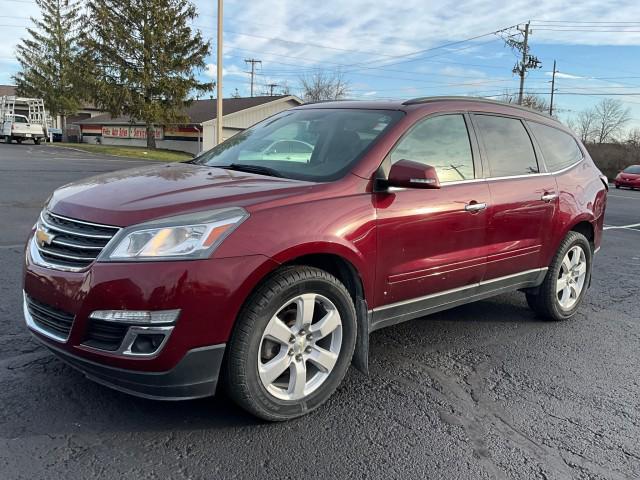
[[219, 78]]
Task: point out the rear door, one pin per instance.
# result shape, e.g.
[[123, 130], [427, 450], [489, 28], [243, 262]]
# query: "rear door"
[[523, 197], [431, 241]]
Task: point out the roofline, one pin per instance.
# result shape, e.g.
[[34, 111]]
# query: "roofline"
[[422, 100], [255, 107]]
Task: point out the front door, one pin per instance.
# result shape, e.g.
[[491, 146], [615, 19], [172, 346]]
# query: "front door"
[[432, 241]]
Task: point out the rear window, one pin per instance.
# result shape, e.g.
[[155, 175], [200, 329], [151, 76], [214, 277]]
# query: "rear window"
[[634, 169], [559, 149], [507, 145]]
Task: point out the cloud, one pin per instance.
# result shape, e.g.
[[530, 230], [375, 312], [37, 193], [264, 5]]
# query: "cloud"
[[568, 76], [233, 70]]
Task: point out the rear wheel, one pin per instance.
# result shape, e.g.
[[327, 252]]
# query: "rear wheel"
[[567, 280], [36, 141], [292, 344]]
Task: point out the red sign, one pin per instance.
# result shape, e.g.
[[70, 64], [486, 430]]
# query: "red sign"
[[130, 132]]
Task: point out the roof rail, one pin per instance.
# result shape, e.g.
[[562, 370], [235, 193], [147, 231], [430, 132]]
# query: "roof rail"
[[420, 100]]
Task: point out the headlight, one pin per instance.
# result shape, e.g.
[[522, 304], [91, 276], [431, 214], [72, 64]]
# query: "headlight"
[[191, 236]]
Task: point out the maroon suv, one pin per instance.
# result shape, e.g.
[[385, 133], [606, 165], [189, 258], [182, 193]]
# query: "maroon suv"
[[267, 261]]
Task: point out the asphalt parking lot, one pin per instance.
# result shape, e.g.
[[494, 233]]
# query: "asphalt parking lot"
[[482, 391]]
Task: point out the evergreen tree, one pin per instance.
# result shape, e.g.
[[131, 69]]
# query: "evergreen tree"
[[48, 58], [142, 57]]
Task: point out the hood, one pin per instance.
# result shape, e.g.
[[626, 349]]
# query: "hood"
[[136, 195]]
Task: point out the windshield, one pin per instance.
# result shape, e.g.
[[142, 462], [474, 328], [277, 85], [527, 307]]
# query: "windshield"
[[310, 144], [635, 169]]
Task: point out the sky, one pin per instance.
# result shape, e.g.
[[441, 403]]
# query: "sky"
[[387, 49]]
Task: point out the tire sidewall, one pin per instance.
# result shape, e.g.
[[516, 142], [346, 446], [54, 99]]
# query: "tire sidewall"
[[289, 409], [579, 240]]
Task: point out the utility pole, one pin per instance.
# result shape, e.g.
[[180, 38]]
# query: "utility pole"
[[253, 62], [553, 87], [527, 62], [523, 69], [219, 112], [271, 87]]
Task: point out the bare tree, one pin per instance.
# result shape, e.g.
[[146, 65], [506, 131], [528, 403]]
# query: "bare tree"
[[528, 100], [322, 85], [584, 125], [610, 118], [633, 138]]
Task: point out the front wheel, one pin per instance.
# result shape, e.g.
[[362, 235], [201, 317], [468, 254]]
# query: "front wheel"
[[292, 344], [567, 280]]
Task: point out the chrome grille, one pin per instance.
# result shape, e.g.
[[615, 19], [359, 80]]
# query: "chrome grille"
[[74, 243]]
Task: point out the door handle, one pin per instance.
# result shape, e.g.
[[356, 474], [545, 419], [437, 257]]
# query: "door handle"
[[475, 207], [547, 197]]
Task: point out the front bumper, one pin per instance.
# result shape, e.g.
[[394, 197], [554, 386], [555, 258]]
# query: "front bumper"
[[209, 294], [627, 183], [195, 376]]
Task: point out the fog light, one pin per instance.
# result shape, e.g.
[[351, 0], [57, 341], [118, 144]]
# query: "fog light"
[[137, 317], [147, 343]]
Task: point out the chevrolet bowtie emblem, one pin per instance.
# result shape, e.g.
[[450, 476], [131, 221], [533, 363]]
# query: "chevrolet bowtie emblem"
[[43, 237]]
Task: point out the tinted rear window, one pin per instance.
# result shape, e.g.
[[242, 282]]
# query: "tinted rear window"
[[507, 145], [559, 149], [635, 169]]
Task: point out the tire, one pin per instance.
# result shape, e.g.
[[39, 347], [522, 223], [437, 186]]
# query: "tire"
[[19, 141], [618, 187], [36, 141], [250, 348], [551, 302]]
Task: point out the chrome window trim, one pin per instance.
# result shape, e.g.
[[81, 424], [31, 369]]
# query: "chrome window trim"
[[31, 323], [459, 289]]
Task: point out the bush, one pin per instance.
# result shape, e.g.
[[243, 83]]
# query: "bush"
[[613, 157]]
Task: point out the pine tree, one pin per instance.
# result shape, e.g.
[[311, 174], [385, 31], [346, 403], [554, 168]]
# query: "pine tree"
[[48, 58], [142, 57]]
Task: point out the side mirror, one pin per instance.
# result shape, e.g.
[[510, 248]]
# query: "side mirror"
[[410, 174]]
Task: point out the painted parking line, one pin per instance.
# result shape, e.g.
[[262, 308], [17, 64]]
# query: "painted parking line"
[[632, 226], [623, 196]]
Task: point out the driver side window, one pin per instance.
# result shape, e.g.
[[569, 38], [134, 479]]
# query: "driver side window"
[[442, 142]]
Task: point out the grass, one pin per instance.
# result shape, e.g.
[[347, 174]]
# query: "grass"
[[129, 152]]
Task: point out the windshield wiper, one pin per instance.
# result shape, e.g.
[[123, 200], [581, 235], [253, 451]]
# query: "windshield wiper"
[[242, 167]]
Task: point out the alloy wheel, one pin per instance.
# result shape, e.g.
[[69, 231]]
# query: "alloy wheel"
[[299, 347], [571, 277]]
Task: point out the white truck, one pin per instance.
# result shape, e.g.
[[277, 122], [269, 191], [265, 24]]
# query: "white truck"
[[18, 127]]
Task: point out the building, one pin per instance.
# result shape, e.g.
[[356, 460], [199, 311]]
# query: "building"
[[194, 136]]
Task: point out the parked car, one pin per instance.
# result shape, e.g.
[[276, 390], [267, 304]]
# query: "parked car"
[[56, 134], [270, 274], [629, 177], [293, 150], [19, 128]]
